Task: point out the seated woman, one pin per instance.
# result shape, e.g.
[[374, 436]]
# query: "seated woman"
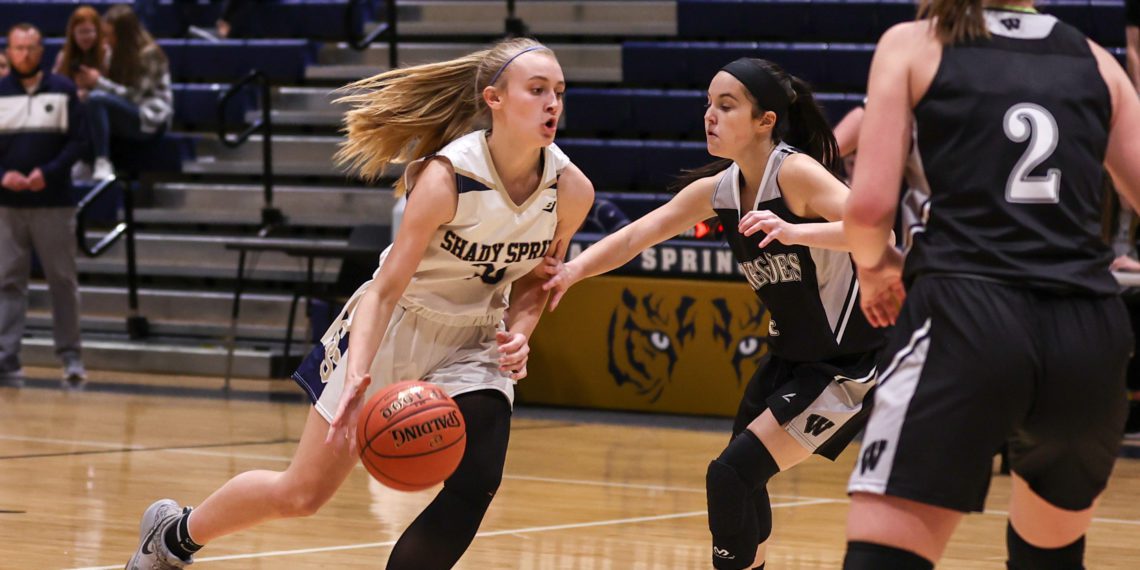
[[84, 50], [133, 100]]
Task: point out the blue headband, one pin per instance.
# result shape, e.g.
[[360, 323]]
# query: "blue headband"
[[495, 77]]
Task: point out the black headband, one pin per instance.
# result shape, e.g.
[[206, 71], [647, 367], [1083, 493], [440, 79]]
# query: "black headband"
[[769, 94]]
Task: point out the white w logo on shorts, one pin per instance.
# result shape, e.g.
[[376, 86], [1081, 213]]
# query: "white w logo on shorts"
[[722, 553]]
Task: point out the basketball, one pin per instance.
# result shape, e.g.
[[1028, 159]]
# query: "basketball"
[[411, 436]]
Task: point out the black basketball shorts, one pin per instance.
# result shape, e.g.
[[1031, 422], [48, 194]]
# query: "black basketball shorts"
[[973, 364], [820, 404]]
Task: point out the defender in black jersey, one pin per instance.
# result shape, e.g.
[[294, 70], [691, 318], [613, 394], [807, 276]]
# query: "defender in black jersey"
[[779, 206], [1012, 329]]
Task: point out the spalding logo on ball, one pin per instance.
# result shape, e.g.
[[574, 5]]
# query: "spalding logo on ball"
[[411, 436]]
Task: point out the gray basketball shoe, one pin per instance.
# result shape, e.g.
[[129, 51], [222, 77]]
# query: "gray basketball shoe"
[[153, 553]]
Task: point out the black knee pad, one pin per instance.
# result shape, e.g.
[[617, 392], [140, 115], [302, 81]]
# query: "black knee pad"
[[1025, 556], [870, 556], [731, 512], [738, 478]]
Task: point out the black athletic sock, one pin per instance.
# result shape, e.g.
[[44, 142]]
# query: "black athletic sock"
[[1025, 556], [178, 539]]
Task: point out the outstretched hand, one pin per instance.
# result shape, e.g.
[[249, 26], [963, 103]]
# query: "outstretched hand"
[[514, 350], [561, 277], [343, 426]]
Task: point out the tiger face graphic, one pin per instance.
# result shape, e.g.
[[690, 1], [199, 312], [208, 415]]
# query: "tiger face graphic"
[[651, 334], [646, 336], [740, 329]]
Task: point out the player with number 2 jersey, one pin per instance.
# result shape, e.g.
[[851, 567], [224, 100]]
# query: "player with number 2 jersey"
[[1012, 329]]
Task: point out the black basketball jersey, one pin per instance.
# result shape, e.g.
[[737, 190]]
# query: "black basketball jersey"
[[811, 294], [1012, 136]]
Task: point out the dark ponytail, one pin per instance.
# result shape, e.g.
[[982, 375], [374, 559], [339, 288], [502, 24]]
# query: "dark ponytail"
[[955, 21], [807, 129]]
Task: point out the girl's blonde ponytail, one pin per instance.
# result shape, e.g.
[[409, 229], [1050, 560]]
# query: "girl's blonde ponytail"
[[404, 114]]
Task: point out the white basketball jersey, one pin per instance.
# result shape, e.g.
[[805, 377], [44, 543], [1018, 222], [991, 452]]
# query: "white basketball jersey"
[[467, 270]]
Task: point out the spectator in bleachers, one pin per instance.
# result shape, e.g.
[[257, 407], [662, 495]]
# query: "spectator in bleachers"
[[133, 100], [4, 66], [41, 136], [84, 48]]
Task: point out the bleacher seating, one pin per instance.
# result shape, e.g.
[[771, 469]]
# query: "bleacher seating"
[[789, 20], [196, 105], [283, 61], [693, 64], [310, 19], [857, 20], [638, 165], [50, 16]]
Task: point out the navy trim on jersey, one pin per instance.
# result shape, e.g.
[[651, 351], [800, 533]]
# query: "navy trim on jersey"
[[308, 373], [466, 184]]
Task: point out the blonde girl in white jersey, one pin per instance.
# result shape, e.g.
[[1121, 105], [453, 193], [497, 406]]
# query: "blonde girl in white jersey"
[[483, 209]]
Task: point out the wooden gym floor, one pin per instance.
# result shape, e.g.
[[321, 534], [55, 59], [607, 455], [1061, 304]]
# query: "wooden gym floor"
[[580, 491]]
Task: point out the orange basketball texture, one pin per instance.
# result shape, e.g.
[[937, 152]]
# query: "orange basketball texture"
[[411, 436]]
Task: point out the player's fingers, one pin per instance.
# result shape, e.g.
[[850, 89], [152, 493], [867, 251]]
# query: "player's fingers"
[[513, 353], [519, 374], [899, 291], [750, 228], [512, 360], [881, 319], [772, 236], [511, 364], [556, 298], [517, 344], [335, 427], [872, 314], [556, 283], [888, 308]]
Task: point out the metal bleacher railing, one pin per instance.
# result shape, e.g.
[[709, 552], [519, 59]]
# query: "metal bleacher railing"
[[271, 217], [137, 325], [387, 30]]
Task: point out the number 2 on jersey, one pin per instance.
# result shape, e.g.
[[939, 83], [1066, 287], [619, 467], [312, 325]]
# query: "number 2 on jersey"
[[1033, 122]]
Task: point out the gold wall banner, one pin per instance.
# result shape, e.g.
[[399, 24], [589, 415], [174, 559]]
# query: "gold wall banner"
[[648, 344]]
